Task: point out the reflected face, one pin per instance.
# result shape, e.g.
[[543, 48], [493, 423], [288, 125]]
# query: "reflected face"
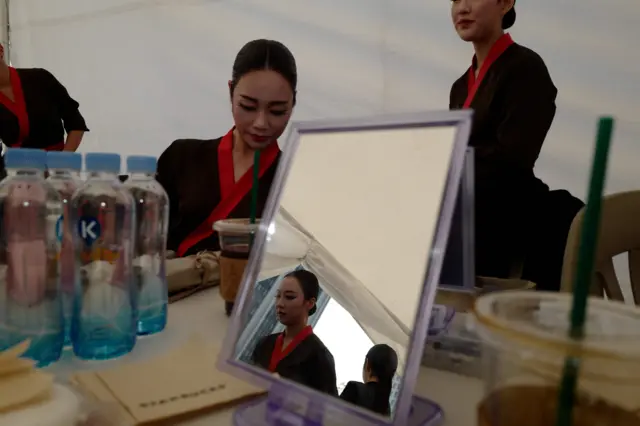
[[291, 308], [262, 104], [478, 20]]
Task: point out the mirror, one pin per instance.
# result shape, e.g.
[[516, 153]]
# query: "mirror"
[[360, 215], [458, 267]]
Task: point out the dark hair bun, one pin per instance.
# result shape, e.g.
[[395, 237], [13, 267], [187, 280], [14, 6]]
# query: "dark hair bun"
[[309, 285], [265, 54], [383, 361], [509, 18]]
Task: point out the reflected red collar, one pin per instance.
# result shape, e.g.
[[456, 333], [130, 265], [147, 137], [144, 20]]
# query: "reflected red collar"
[[278, 354]]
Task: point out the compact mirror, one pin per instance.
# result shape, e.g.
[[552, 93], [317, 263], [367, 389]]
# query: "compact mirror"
[[348, 256]]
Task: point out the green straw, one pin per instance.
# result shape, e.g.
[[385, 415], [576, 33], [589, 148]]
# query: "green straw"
[[584, 272], [253, 208]]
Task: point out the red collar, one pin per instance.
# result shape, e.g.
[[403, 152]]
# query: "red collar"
[[232, 192], [225, 163], [473, 83], [17, 107], [279, 354]]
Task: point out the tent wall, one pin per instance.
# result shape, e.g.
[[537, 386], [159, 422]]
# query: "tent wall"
[[149, 71], [4, 21]]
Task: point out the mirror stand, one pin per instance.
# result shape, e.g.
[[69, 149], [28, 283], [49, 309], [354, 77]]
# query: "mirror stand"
[[285, 406]]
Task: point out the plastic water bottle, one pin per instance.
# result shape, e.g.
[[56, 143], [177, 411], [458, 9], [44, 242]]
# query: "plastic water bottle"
[[30, 297], [105, 309], [64, 175], [152, 217], [3, 171]]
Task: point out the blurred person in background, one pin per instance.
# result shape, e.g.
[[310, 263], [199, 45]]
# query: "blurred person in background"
[[518, 221], [36, 111], [379, 368]]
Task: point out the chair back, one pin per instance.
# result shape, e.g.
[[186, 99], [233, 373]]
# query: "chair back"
[[619, 233]]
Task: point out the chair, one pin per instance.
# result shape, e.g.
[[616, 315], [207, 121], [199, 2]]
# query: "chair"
[[619, 233], [463, 301]]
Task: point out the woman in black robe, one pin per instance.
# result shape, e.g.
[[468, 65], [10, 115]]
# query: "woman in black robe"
[[297, 353], [36, 110], [513, 98], [380, 367], [210, 180]]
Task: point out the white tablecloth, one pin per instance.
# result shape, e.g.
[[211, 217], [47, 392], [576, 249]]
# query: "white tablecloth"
[[203, 314]]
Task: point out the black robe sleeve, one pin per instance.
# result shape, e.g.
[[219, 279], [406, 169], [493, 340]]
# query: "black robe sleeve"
[[165, 174], [350, 393], [67, 106], [324, 379], [262, 352], [457, 91], [526, 116]]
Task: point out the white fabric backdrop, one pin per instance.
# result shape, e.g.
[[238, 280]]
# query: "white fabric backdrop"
[[149, 71]]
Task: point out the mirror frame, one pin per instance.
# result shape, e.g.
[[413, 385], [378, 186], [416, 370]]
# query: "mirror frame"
[[462, 121]]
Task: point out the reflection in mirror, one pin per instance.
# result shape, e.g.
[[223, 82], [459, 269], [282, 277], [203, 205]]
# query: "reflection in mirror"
[[458, 265], [345, 261]]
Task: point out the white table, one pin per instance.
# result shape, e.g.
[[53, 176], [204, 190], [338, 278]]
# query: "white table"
[[203, 314]]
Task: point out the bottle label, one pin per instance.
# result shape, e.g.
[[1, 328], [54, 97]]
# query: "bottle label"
[[89, 230], [60, 228]]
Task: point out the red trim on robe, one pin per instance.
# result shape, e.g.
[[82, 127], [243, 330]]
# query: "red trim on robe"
[[278, 354], [496, 51], [231, 192], [17, 107]]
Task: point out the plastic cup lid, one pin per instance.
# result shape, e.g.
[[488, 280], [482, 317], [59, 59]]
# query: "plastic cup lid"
[[236, 226], [541, 319]]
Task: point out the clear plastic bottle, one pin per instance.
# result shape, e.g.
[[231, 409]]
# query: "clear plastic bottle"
[[64, 175], [3, 150], [152, 217], [30, 297], [105, 309]]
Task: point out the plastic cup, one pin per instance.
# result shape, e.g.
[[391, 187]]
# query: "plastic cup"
[[236, 238], [525, 345]]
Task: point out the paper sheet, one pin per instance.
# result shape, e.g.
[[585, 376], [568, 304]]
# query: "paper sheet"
[[174, 384]]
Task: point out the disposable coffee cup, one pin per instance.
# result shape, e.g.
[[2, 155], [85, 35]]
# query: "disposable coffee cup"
[[525, 346], [236, 238]]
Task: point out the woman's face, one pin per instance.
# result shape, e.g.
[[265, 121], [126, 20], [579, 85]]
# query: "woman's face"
[[477, 20], [291, 308], [262, 104]]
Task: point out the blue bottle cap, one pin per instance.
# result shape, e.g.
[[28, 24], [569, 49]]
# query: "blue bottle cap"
[[141, 164], [102, 162], [25, 158], [64, 160]]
